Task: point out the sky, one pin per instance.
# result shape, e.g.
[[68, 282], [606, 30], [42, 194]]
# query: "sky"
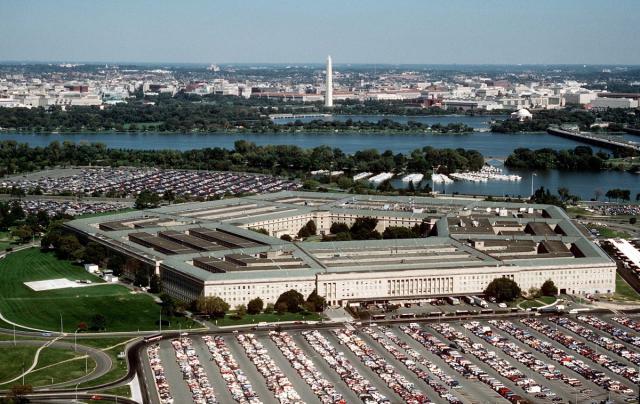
[[305, 31]]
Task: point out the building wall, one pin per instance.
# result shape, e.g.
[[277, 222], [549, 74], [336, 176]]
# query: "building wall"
[[290, 225], [242, 292], [339, 288]]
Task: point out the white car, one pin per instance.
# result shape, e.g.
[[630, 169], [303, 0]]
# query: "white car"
[[502, 305]]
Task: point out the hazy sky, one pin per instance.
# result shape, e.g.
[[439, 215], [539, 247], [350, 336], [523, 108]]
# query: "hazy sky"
[[303, 31]]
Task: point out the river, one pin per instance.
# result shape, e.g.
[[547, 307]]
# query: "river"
[[491, 145]]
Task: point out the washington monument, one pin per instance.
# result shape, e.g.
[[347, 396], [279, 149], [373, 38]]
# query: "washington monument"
[[328, 95]]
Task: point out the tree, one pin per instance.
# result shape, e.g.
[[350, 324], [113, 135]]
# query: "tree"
[[364, 228], [316, 302], [281, 307], [94, 252], [286, 237], [309, 229], [155, 284], [503, 289], [633, 220], [549, 288], [269, 308], [69, 247], [98, 322], [18, 393], [255, 306], [338, 227], [213, 306], [292, 299], [167, 304], [241, 310], [22, 233], [141, 278], [82, 326], [116, 263], [147, 199]]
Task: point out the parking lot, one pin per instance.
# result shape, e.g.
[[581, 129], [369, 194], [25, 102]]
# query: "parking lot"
[[578, 358], [129, 181]]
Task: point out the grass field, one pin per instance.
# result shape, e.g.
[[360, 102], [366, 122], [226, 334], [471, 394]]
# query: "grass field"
[[15, 359], [51, 368], [606, 232], [123, 310], [624, 291], [269, 318]]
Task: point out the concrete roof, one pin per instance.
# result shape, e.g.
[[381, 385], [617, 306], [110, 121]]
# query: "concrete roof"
[[292, 203]]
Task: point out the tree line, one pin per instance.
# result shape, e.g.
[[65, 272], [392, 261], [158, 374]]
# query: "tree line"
[[189, 113], [245, 156], [578, 159]]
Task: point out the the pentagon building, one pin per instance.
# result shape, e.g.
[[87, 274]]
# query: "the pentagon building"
[[212, 248]]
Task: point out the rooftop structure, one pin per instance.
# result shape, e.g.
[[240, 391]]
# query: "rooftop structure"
[[232, 248]]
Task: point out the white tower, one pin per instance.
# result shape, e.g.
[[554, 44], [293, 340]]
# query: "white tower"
[[328, 95]]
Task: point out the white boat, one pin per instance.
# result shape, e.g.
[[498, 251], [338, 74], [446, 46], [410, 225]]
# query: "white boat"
[[361, 176], [413, 178], [380, 177], [441, 179]]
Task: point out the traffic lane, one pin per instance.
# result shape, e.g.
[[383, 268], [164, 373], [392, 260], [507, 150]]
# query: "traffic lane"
[[257, 381], [556, 386], [365, 371], [177, 386], [401, 369], [577, 355], [303, 389], [597, 391], [212, 371], [324, 368], [472, 391], [487, 369]]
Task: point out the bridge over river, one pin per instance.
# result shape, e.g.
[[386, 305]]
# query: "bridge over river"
[[598, 140]]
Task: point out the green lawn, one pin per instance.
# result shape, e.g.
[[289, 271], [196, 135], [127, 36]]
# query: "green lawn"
[[122, 391], [606, 232], [624, 291], [268, 318], [124, 310], [118, 369], [60, 372], [15, 359]]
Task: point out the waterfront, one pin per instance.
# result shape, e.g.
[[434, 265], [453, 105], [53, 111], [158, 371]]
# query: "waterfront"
[[491, 145], [496, 145]]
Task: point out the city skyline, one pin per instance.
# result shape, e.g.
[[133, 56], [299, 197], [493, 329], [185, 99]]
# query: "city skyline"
[[461, 32]]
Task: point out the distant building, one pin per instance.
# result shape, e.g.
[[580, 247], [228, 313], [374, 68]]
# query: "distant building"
[[581, 98], [604, 103]]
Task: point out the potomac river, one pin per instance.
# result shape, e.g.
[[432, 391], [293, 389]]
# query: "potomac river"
[[491, 145]]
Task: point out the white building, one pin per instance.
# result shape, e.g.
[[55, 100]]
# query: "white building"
[[604, 103], [212, 248]]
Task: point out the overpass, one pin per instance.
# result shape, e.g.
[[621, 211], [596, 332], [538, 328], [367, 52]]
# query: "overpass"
[[597, 140]]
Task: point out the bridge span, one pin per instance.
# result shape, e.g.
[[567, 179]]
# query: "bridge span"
[[597, 140]]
